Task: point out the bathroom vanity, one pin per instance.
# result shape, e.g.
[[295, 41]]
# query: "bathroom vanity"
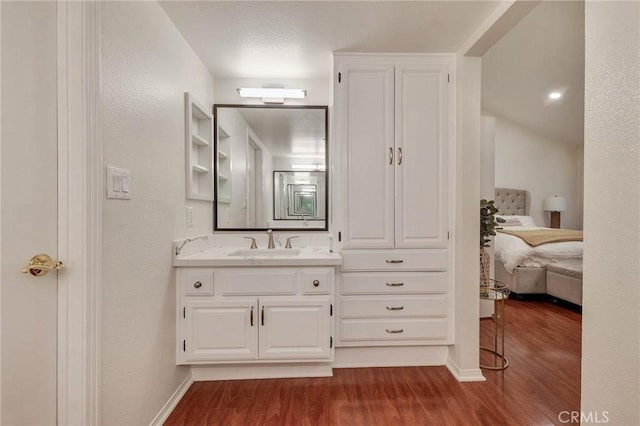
[[237, 305], [385, 296]]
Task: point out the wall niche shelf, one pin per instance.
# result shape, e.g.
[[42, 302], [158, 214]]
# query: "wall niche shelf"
[[199, 150], [223, 158]]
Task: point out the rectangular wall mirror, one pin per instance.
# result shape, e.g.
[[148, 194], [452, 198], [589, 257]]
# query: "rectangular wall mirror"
[[270, 167]]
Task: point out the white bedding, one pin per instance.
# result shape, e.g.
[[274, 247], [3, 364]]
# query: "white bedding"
[[512, 251]]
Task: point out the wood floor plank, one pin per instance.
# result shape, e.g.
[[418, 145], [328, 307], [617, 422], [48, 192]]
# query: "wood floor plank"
[[543, 344]]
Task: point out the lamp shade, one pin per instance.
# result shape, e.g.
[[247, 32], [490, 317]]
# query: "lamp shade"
[[555, 204]]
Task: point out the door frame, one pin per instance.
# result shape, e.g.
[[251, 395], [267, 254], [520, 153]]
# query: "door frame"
[[253, 141], [80, 184], [79, 211]]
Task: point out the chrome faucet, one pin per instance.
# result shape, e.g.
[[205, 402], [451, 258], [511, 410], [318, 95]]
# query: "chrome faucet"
[[288, 245], [253, 242], [271, 243]]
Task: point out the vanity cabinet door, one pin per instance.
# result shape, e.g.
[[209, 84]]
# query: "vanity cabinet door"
[[366, 133], [421, 156], [294, 328], [221, 330]]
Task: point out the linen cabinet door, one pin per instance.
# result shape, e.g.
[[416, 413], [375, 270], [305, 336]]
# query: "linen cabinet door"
[[365, 99], [224, 330], [295, 329], [421, 178]]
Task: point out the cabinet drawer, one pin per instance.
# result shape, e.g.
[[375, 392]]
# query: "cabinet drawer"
[[197, 283], [394, 329], [394, 283], [316, 282], [394, 260], [394, 307], [256, 282]]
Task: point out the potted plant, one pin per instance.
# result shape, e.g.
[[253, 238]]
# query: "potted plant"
[[488, 222]]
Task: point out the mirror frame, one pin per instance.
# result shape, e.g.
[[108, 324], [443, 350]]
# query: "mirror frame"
[[325, 108]]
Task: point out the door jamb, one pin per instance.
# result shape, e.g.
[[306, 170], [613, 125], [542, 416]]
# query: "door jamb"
[[79, 212]]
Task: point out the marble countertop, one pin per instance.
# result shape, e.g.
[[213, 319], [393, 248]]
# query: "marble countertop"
[[223, 256]]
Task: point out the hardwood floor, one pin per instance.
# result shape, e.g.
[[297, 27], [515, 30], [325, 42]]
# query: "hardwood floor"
[[542, 380]]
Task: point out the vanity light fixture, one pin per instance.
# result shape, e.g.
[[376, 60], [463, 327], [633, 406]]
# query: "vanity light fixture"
[[272, 95], [308, 166]]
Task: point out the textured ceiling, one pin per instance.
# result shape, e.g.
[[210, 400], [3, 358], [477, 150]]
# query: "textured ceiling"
[[295, 39], [541, 54]]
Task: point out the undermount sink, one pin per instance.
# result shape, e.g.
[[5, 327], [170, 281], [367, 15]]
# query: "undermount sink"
[[266, 252]]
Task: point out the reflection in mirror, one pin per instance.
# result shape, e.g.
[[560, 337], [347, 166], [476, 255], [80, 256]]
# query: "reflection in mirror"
[[270, 167], [299, 196]]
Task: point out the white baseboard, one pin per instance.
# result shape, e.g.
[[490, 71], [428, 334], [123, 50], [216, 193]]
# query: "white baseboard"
[[468, 375], [390, 356], [164, 413], [266, 371]]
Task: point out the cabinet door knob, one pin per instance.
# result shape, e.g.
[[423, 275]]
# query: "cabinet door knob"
[[316, 283], [197, 284]]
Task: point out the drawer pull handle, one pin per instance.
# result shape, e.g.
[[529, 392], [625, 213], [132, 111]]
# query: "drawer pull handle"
[[316, 283], [251, 316], [395, 284], [400, 330], [197, 284], [394, 261], [262, 316], [395, 308]]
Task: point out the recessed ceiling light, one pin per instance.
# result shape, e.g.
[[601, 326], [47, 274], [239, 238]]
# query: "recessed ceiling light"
[[555, 95]]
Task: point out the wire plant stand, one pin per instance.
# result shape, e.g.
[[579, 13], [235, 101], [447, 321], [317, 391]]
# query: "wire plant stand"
[[498, 292]]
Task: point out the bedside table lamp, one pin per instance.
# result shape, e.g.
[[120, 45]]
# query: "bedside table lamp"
[[555, 205]]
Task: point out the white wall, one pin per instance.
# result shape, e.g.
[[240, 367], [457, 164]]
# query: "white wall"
[[527, 160], [611, 295], [146, 68], [464, 355]]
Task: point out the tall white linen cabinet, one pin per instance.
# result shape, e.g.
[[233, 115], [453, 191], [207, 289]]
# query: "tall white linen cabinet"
[[393, 206]]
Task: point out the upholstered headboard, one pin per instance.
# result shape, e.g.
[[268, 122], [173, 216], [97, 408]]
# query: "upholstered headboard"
[[511, 201]]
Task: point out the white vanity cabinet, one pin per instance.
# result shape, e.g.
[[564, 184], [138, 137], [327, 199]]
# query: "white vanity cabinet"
[[254, 314], [393, 128], [394, 121], [395, 305]]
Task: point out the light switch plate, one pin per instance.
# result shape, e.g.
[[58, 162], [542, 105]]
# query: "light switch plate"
[[118, 183], [189, 217]]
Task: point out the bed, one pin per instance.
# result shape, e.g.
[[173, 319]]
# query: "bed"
[[523, 267]]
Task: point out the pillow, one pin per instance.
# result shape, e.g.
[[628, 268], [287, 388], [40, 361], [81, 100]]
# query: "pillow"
[[516, 220], [508, 220], [527, 221]]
